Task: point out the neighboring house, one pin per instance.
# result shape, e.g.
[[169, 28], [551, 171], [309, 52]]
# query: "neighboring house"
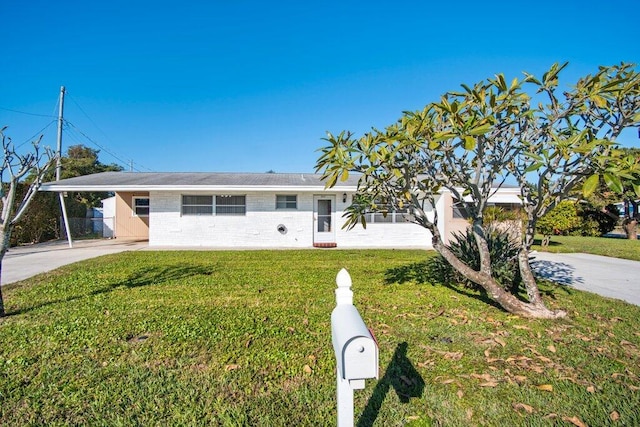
[[258, 210]]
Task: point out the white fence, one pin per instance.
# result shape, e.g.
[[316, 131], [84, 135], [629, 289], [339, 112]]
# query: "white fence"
[[86, 227]]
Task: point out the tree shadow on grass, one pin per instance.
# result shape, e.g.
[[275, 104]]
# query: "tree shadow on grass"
[[558, 272], [139, 278], [402, 376], [538, 242], [419, 272]]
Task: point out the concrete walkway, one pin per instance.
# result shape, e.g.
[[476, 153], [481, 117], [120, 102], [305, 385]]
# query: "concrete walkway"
[[23, 262], [609, 277]]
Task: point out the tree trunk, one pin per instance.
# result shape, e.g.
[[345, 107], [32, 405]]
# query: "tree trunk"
[[630, 223], [529, 281], [2, 312], [535, 308], [630, 226], [5, 233], [545, 241]]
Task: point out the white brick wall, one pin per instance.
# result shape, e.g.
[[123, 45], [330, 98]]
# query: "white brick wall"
[[258, 228], [381, 235]]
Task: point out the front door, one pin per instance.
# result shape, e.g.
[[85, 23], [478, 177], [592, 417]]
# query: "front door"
[[323, 221]]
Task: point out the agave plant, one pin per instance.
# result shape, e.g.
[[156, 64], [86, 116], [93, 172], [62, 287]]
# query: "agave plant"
[[504, 260]]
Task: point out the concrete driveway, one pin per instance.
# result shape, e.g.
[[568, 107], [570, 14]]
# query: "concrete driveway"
[[609, 277], [26, 261]]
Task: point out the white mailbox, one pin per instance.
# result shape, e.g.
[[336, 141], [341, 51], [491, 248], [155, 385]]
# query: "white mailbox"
[[356, 350]]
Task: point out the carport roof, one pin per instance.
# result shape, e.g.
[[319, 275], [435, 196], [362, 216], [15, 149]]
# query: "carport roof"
[[147, 181]]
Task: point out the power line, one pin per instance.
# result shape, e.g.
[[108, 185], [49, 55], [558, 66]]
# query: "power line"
[[40, 132], [71, 127], [123, 163], [85, 114], [26, 113]]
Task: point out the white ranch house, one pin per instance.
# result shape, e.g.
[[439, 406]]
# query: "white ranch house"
[[255, 210]]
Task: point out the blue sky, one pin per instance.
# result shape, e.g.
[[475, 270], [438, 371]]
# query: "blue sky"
[[253, 86]]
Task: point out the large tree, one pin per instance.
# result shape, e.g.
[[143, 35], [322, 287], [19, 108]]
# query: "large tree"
[[471, 142], [42, 220], [15, 167], [630, 190], [81, 160]]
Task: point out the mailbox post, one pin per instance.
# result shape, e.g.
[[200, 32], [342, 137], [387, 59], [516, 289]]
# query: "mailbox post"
[[356, 350]]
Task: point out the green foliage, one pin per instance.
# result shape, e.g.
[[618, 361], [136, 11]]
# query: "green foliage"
[[41, 221], [243, 338], [561, 220], [497, 214], [597, 222], [38, 224], [79, 161], [622, 176], [504, 260], [491, 131], [550, 140], [578, 219]]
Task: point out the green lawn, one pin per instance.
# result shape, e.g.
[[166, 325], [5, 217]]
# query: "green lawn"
[[243, 338], [606, 246]]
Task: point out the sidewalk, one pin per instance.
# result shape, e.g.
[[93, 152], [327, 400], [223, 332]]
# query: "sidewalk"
[[609, 277], [22, 262]]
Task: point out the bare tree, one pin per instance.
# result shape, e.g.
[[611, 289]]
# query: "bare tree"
[[15, 168]]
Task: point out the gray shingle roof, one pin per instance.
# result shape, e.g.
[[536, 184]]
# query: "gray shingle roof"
[[120, 181]]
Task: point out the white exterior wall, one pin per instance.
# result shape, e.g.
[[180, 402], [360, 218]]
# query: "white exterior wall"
[[259, 227], [388, 235], [385, 235]]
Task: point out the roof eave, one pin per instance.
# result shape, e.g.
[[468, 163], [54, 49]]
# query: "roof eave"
[[211, 188]]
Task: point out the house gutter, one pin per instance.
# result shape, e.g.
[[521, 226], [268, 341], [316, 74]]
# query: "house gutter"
[[54, 187]]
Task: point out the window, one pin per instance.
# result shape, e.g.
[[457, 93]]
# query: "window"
[[286, 201], [197, 205], [224, 205], [140, 206], [459, 210], [231, 205], [386, 214]]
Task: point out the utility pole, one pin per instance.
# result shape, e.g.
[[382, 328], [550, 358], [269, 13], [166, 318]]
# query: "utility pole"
[[59, 167]]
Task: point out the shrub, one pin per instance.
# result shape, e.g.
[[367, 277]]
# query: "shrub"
[[504, 261], [41, 220], [596, 222], [573, 219], [561, 220], [498, 214]]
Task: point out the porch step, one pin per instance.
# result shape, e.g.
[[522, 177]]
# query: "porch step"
[[325, 245]]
